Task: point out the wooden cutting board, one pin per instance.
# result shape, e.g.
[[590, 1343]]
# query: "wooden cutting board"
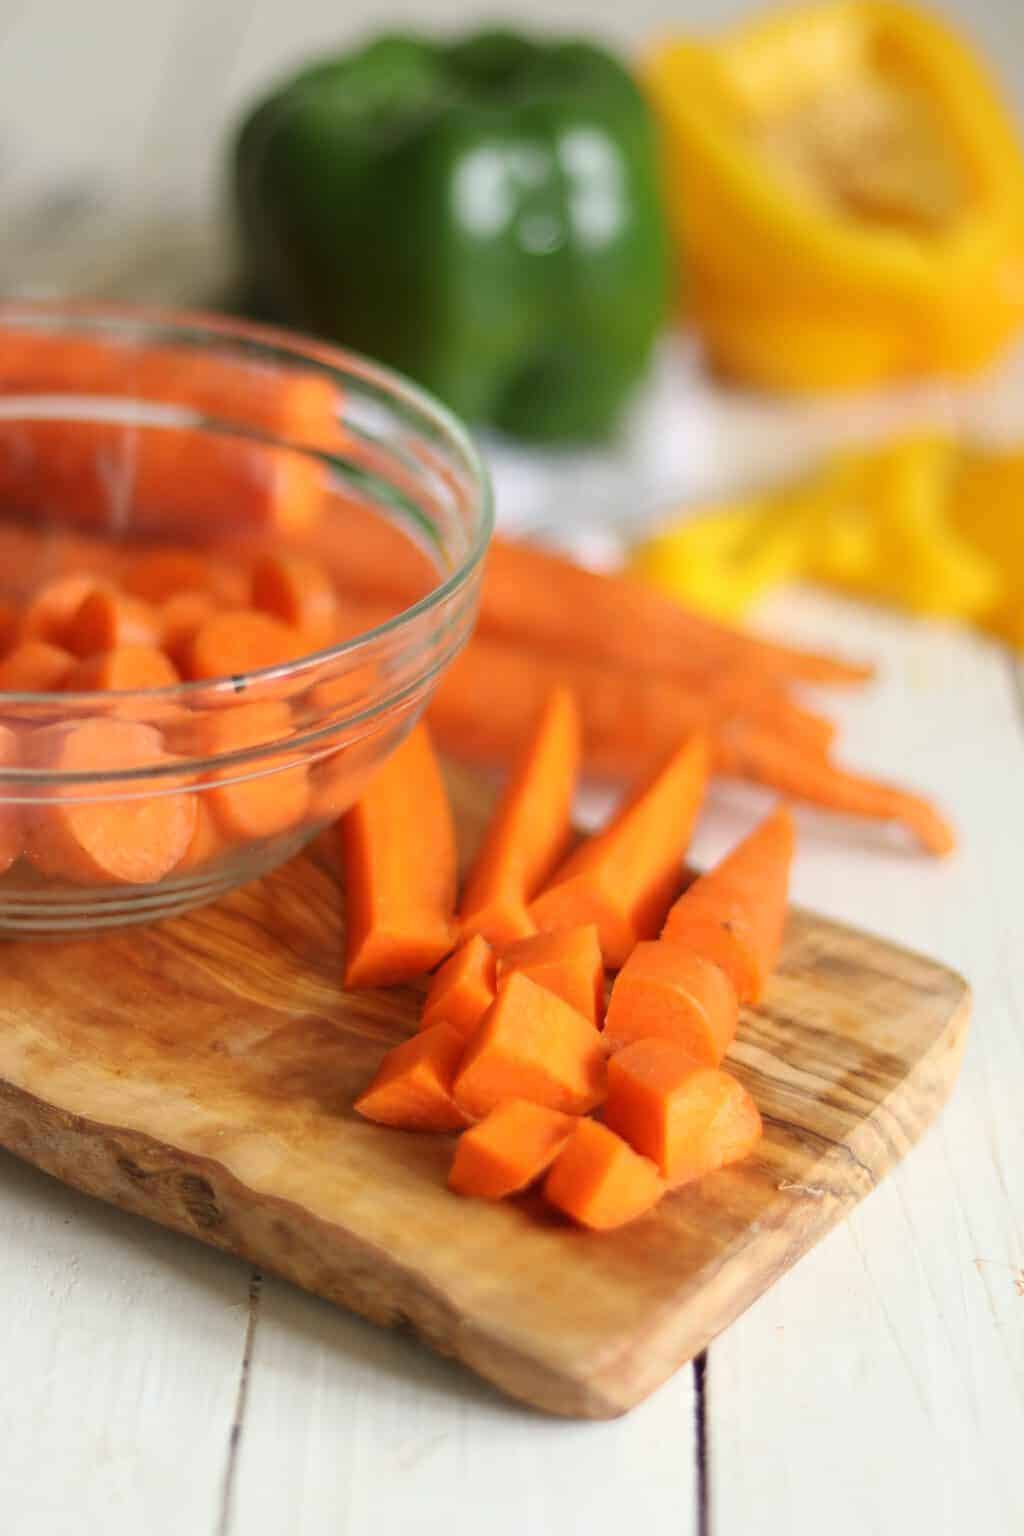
[[202, 1073]]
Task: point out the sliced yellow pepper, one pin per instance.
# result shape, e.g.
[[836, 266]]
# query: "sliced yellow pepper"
[[847, 191]]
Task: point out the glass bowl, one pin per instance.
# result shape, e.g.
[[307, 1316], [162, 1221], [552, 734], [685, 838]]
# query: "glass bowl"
[[131, 444]]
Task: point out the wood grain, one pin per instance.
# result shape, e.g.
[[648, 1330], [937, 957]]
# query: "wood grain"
[[202, 1074]]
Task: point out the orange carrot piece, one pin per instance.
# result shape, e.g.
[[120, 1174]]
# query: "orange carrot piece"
[[529, 830], [159, 575], [10, 626], [207, 839], [11, 829], [509, 1149], [531, 1045], [240, 640], [568, 962], [54, 605], [412, 1089], [461, 992], [689, 1119], [735, 914], [135, 834], [625, 877], [122, 670], [181, 618], [671, 992], [35, 666], [261, 798], [106, 621], [300, 593], [399, 857], [599, 1180]]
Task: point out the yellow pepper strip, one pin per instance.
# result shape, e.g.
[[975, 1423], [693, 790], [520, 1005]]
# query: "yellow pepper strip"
[[847, 192], [988, 511]]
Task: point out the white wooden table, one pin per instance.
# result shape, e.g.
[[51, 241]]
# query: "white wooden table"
[[152, 1386]]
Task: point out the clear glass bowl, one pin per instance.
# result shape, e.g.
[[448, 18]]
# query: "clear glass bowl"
[[125, 432]]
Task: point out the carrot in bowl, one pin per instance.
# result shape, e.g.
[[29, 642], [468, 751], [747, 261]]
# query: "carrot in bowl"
[[240, 640], [509, 1149], [299, 592], [262, 798], [106, 621], [674, 993], [54, 605], [11, 831], [35, 666], [599, 1180]]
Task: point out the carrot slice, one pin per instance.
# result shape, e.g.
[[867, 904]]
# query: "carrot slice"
[[531, 1045], [11, 831], [181, 618], [134, 833], [509, 1150], [253, 799], [207, 839], [10, 626], [241, 640], [54, 605], [688, 1118], [106, 621], [300, 593], [158, 575], [35, 667], [624, 878], [399, 856], [735, 914], [463, 989], [671, 992], [122, 670], [568, 962], [599, 1180], [413, 1086], [529, 830]]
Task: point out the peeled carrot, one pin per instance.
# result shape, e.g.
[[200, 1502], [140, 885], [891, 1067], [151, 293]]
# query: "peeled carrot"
[[54, 605], [413, 1086], [106, 621], [568, 962], [735, 914], [181, 618], [300, 593], [463, 989], [529, 830], [240, 640], [399, 857], [207, 839], [134, 832], [159, 575], [261, 798], [531, 1045], [674, 993], [11, 831], [10, 626], [35, 667], [599, 1180], [125, 669], [687, 1118], [509, 1149], [624, 878]]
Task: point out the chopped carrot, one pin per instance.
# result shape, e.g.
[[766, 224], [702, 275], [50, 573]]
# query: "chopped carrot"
[[259, 798], [207, 839], [300, 593], [531, 1045], [125, 669], [599, 1180], [688, 1118], [735, 914], [54, 605], [11, 830], [10, 626], [134, 832], [568, 962], [106, 621], [400, 861], [181, 618], [509, 1149], [159, 575], [412, 1090], [35, 666], [529, 830], [674, 993], [241, 640], [624, 878], [338, 778], [461, 992]]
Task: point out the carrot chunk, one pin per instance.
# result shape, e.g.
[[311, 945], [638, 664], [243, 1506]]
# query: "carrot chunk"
[[568, 962], [399, 856], [239, 640], [599, 1180], [262, 798], [507, 1151], [299, 593], [35, 666], [463, 989], [688, 1118], [529, 830], [413, 1086], [625, 878], [531, 1045], [105, 621], [668, 991], [735, 914]]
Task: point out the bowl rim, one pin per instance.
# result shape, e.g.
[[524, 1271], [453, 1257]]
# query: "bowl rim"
[[334, 359]]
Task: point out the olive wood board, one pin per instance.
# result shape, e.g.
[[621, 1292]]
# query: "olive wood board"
[[201, 1073]]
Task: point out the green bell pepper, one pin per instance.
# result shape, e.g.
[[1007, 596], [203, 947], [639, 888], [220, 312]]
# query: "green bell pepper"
[[483, 215]]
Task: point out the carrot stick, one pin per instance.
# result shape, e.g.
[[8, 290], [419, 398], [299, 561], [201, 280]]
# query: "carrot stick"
[[35, 667], [461, 992], [106, 621], [689, 1119], [509, 1149], [135, 833], [735, 914], [240, 640], [567, 962], [412, 1090], [11, 830], [668, 991], [399, 857], [529, 830], [599, 1180], [625, 877], [531, 1045], [252, 799]]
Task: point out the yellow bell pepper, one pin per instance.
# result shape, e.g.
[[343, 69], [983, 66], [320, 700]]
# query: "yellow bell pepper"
[[988, 512], [847, 191]]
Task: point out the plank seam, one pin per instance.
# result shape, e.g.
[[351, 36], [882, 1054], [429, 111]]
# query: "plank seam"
[[702, 1445], [241, 1403]]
